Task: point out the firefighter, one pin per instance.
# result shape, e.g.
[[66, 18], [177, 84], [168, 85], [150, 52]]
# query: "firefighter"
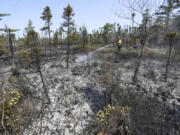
[[119, 43], [137, 44]]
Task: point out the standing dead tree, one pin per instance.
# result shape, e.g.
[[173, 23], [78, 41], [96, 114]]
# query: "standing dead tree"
[[143, 30], [138, 8], [171, 36], [145, 9], [10, 38], [37, 62]]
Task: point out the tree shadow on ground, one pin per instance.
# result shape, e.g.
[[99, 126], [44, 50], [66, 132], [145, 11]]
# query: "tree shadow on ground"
[[95, 99]]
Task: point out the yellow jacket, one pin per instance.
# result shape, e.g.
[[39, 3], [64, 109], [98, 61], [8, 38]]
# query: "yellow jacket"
[[119, 42], [137, 41]]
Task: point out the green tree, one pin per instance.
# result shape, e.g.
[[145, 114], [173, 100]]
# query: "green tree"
[[97, 37], [47, 16], [106, 30], [119, 31], [31, 38], [61, 31], [177, 22], [166, 11], [3, 15], [10, 37], [84, 35], [90, 39], [29, 27], [3, 48], [68, 23], [75, 36], [55, 38]]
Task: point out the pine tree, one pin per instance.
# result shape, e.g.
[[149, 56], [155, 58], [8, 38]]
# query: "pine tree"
[[47, 16], [166, 11], [55, 38], [31, 38], [106, 30], [61, 31], [75, 36], [3, 15], [68, 23], [10, 37], [84, 35], [30, 26]]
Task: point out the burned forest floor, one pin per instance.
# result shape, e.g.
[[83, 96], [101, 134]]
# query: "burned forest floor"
[[79, 92]]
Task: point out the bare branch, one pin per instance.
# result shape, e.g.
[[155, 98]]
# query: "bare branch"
[[138, 7]]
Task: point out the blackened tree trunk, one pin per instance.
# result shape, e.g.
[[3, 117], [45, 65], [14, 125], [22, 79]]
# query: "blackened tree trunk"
[[43, 82], [49, 32], [83, 43], [68, 47], [138, 63], [11, 46], [167, 22], [168, 61]]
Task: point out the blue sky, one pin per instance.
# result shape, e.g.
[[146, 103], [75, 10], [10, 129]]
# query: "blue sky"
[[92, 13]]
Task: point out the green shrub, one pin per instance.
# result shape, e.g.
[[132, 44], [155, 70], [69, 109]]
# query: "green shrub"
[[80, 49], [16, 111], [14, 71], [113, 121], [10, 79], [3, 50]]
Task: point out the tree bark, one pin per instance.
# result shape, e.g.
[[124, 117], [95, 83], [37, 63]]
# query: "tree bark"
[[83, 44], [49, 32], [167, 22], [138, 63], [168, 61], [11, 46], [68, 47], [44, 85]]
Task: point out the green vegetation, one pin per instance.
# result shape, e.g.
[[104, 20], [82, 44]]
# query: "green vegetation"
[[16, 111], [3, 50], [84, 35], [87, 49], [113, 121], [68, 23], [47, 16]]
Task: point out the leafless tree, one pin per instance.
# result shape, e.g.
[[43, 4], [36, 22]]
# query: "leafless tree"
[[141, 8]]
